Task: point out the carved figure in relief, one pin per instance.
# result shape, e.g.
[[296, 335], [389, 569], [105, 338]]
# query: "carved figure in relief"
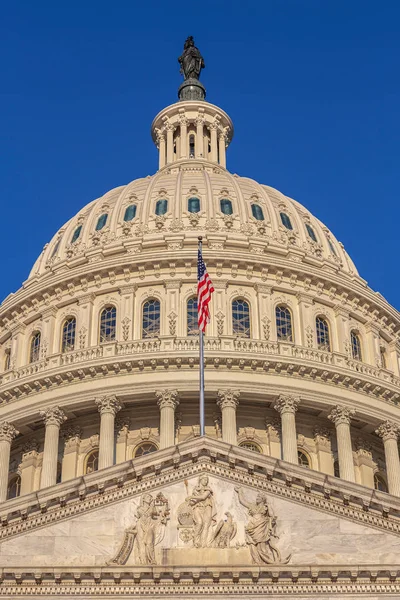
[[261, 530], [225, 532], [197, 513], [148, 531]]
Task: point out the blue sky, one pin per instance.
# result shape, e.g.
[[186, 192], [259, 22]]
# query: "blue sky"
[[312, 87]]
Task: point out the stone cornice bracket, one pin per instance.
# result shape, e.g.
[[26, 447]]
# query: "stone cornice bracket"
[[7, 432], [53, 416], [341, 414], [388, 431], [108, 404], [167, 398], [286, 404], [228, 398]]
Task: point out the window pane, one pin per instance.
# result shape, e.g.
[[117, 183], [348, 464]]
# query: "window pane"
[[35, 347], [191, 146], [108, 324], [311, 233], [355, 346], [145, 448], [303, 459], [68, 335], [257, 212], [226, 207], [14, 487], [192, 317], [194, 205], [332, 247], [284, 323], [241, 318], [102, 220], [286, 222], [55, 249], [323, 340], [130, 212], [380, 483], [151, 319], [251, 446], [161, 207], [92, 462], [7, 359], [76, 235]]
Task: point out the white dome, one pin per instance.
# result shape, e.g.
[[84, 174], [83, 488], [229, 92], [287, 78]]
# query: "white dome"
[[210, 184]]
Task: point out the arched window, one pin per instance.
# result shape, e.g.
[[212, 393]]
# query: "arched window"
[[382, 352], [191, 146], [34, 354], [108, 324], [336, 469], [56, 247], [355, 346], [130, 212], [323, 339], [151, 319], [193, 205], [101, 221], [241, 318], [257, 212], [144, 448], [286, 222], [284, 324], [68, 335], [303, 459], [7, 359], [332, 247], [92, 461], [380, 483], [14, 487], [76, 234], [161, 207], [226, 206], [250, 445], [192, 317], [311, 233]]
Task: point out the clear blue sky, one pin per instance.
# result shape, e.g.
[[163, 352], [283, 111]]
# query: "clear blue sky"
[[312, 87]]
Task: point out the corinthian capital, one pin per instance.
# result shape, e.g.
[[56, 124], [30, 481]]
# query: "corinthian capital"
[[167, 398], [108, 404], [388, 431], [7, 432], [53, 416], [287, 404], [341, 414], [228, 398]]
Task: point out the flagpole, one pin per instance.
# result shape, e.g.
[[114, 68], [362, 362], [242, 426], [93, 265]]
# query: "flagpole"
[[201, 362]]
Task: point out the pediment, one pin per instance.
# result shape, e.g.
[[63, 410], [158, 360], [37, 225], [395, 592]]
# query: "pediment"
[[204, 506]]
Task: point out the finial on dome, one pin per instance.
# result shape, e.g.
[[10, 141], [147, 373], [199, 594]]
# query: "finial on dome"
[[192, 63]]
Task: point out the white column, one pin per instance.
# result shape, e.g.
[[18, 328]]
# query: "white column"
[[108, 407], [53, 418], [287, 407], [161, 149], [183, 134], [167, 402], [389, 432], [214, 142], [199, 137], [7, 434], [341, 417], [228, 401], [222, 148]]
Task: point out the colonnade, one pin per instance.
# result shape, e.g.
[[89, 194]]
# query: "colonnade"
[[167, 399]]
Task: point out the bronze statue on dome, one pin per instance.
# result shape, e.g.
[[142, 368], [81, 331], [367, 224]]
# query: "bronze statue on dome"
[[191, 60]]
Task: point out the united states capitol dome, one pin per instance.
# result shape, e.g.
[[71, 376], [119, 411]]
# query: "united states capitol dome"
[[99, 356]]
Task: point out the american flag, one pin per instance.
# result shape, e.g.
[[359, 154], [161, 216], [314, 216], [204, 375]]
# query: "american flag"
[[204, 290]]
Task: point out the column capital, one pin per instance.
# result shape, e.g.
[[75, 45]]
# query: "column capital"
[[167, 398], [7, 432], [388, 431], [30, 447], [108, 404], [287, 404], [228, 398], [53, 416], [322, 435], [71, 434], [341, 414]]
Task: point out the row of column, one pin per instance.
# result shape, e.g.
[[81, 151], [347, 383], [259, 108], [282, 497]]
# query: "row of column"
[[286, 405]]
